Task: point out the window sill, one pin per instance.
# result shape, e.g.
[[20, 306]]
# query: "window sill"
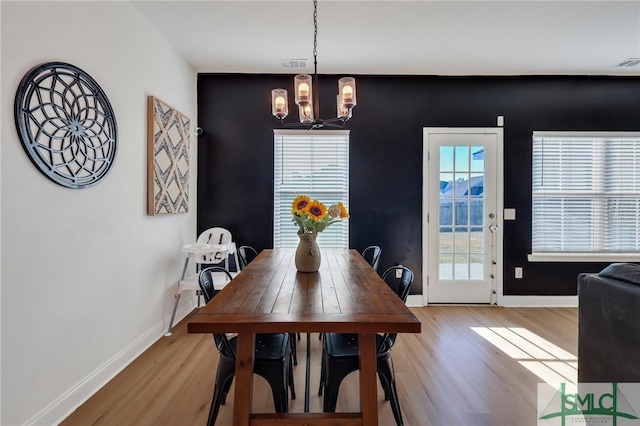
[[582, 257]]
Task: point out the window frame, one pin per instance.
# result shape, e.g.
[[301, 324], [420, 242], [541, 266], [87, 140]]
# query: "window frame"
[[577, 256], [337, 235]]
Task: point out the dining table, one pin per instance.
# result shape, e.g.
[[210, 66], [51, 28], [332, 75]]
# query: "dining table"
[[345, 295]]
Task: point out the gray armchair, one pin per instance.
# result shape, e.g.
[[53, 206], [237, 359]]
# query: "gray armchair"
[[609, 325]]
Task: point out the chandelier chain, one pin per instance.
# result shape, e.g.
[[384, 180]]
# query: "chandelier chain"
[[315, 31]]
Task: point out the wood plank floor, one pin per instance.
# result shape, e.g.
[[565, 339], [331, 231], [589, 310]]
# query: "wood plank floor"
[[470, 366]]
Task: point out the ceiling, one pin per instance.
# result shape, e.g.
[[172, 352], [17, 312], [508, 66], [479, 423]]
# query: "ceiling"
[[403, 37]]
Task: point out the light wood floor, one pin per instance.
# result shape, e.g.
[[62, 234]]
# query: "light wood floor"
[[469, 366]]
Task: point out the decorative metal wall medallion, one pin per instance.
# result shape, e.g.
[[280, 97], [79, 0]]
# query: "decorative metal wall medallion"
[[66, 124]]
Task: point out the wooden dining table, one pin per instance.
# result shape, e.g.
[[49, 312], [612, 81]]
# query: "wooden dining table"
[[269, 296]]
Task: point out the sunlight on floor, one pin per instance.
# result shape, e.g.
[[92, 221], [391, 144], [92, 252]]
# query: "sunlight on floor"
[[544, 359]]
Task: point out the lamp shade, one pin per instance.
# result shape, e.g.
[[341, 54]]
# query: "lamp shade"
[[306, 113], [279, 103], [343, 113], [347, 90], [304, 89]]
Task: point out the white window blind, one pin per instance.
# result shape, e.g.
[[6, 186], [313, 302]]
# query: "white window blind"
[[315, 164], [586, 193]]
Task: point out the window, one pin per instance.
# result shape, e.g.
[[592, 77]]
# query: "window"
[[314, 163], [586, 193]]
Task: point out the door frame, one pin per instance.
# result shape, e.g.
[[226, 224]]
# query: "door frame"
[[499, 242]]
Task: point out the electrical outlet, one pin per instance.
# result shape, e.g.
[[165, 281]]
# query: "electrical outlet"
[[518, 272]]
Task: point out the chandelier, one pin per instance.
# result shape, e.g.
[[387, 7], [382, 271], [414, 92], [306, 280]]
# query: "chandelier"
[[306, 95]]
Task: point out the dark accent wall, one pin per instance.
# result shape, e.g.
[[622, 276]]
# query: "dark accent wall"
[[235, 154]]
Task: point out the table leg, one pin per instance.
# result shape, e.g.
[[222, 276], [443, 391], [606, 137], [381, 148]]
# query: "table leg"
[[244, 379], [368, 385], [307, 378]]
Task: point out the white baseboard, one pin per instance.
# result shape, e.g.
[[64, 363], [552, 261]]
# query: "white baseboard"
[[538, 301], [416, 300], [68, 402]]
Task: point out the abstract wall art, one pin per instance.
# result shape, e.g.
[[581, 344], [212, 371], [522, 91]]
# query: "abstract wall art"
[[66, 124], [168, 136]]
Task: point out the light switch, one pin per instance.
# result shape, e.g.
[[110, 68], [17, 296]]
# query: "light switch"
[[509, 214]]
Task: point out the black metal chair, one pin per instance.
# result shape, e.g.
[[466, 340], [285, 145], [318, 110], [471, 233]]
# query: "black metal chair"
[[246, 254], [340, 353], [372, 255], [272, 358]]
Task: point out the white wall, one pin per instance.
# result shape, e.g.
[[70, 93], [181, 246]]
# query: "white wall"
[[87, 277]]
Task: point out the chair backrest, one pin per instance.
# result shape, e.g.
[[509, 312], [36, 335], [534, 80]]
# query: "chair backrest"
[[246, 254], [215, 235], [372, 255], [205, 279], [399, 279]]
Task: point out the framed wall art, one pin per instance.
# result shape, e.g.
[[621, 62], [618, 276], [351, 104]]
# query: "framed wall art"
[[168, 137]]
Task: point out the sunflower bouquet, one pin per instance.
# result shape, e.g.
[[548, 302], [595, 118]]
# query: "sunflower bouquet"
[[313, 217]]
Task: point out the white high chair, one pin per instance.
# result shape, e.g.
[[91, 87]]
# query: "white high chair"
[[219, 236], [212, 247]]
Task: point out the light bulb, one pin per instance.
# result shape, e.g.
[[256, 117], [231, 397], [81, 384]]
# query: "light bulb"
[[347, 93], [303, 91]]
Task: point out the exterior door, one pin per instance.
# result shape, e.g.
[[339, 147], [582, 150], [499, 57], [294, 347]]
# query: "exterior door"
[[462, 215]]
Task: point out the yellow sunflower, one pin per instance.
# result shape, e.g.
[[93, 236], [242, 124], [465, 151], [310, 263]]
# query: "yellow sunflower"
[[343, 211], [300, 204], [316, 210]]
